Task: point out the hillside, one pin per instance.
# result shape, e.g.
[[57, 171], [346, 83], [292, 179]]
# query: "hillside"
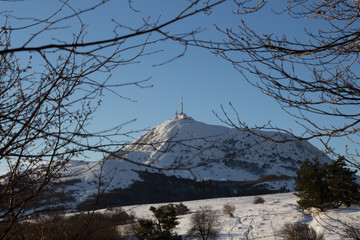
[[263, 221], [183, 159], [216, 152]]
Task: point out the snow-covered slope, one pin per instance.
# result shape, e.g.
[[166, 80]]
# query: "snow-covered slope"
[[262, 221], [216, 152], [189, 149]]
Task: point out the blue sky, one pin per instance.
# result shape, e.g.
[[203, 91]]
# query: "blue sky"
[[204, 80]]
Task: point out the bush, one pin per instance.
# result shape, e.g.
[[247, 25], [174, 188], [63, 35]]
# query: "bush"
[[258, 200], [119, 216], [181, 209], [229, 209], [298, 231], [59, 227], [204, 224]]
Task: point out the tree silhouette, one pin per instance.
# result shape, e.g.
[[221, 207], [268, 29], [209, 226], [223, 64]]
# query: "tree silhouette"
[[311, 187], [51, 88], [160, 228], [342, 183], [313, 75], [326, 185]]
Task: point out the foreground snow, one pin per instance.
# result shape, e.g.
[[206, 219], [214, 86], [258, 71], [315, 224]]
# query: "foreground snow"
[[262, 221]]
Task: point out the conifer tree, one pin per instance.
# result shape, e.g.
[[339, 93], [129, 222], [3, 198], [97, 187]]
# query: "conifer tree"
[[166, 217], [162, 227], [342, 183], [311, 187], [326, 185]]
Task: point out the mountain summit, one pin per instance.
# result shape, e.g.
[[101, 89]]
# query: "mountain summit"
[[195, 149], [176, 156]]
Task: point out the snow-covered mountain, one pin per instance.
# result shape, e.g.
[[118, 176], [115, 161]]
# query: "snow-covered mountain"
[[216, 152], [171, 160]]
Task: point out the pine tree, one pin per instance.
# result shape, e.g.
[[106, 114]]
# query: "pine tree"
[[162, 227], [311, 187], [326, 185], [166, 217], [342, 183]]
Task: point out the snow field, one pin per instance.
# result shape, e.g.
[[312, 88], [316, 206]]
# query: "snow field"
[[262, 221]]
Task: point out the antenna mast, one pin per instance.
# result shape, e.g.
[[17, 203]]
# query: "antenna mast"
[[181, 105]]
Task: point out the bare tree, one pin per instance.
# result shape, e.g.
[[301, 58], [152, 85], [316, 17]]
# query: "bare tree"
[[229, 209], [204, 224], [299, 231], [45, 109], [311, 75]]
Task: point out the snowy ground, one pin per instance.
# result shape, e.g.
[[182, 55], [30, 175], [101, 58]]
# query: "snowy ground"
[[263, 220]]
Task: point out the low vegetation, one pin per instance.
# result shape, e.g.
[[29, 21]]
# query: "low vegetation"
[[258, 200], [181, 209], [352, 231], [204, 224], [299, 231], [229, 209], [89, 226]]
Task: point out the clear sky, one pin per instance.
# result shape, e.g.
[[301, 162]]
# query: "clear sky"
[[204, 80]]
